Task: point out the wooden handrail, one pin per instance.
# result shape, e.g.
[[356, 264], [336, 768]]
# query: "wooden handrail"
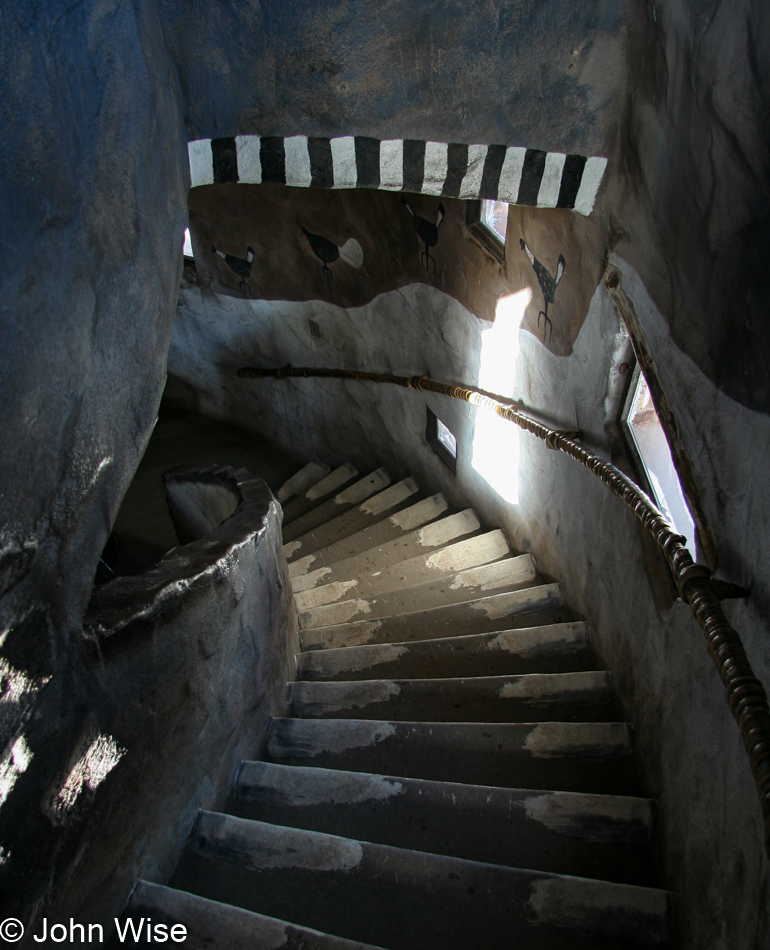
[[745, 694]]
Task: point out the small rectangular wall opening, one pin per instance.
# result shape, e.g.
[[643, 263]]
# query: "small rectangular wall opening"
[[647, 439], [487, 220], [442, 440]]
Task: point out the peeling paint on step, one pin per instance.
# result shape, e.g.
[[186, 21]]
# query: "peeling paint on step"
[[332, 482], [594, 685], [302, 480], [320, 596], [535, 639], [465, 554], [358, 633], [307, 738], [306, 581], [390, 497], [516, 570], [258, 845], [317, 698], [295, 785], [334, 614], [301, 565], [591, 817], [441, 532], [501, 605], [354, 660], [580, 739], [291, 547], [418, 514], [599, 907], [363, 489]]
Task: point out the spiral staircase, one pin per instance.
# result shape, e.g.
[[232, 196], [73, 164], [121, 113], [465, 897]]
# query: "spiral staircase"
[[454, 769]]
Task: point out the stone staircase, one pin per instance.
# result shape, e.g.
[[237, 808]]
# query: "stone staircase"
[[455, 770]]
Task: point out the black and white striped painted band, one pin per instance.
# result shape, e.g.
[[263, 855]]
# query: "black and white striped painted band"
[[522, 176]]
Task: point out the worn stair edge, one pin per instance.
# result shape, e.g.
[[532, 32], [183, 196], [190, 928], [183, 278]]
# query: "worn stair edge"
[[331, 483], [451, 559], [438, 534], [343, 501], [212, 925], [339, 625], [305, 478], [585, 696], [566, 832], [373, 511], [447, 901], [562, 647], [571, 757]]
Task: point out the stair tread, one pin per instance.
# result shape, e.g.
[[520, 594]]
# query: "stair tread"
[[213, 924], [559, 647], [305, 478], [444, 561], [330, 484], [509, 698], [510, 755], [377, 510], [437, 534], [350, 497], [361, 621], [600, 836], [447, 900]]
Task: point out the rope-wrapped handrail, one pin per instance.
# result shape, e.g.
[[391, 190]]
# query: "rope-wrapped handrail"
[[745, 694]]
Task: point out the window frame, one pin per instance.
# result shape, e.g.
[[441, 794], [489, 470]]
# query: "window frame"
[[435, 442], [637, 458], [488, 238]]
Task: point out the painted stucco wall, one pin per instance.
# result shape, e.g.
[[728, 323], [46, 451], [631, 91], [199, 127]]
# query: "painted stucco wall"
[[691, 754], [539, 73], [93, 164]]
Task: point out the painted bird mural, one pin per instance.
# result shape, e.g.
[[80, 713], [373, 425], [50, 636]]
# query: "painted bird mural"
[[548, 284], [427, 231], [239, 265], [328, 252]]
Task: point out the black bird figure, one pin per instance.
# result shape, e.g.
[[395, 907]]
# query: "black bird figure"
[[547, 283], [428, 234], [241, 266], [328, 252]]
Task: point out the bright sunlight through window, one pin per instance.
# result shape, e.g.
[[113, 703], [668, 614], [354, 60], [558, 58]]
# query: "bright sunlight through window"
[[495, 441], [651, 444], [494, 214]]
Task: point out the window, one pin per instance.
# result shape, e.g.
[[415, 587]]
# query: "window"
[[442, 440], [188, 251], [648, 441], [487, 221], [494, 215]]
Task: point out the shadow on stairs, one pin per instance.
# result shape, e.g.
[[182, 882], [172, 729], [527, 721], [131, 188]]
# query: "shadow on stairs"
[[455, 771]]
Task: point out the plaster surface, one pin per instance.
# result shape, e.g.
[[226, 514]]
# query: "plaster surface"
[[534, 73]]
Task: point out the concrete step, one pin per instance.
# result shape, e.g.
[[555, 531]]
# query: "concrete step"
[[601, 836], [556, 648], [299, 483], [211, 925], [438, 534], [541, 697], [350, 497], [338, 625], [374, 510], [373, 535], [409, 899], [559, 756], [481, 549], [329, 485]]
